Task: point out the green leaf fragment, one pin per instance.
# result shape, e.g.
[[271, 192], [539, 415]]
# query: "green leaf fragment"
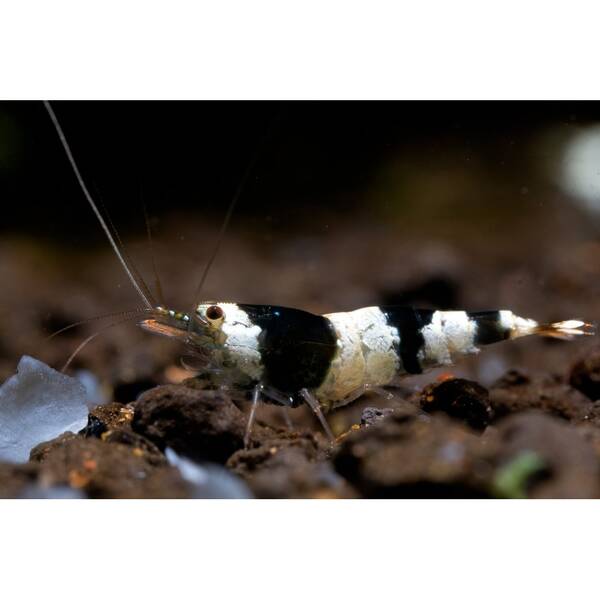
[[511, 480]]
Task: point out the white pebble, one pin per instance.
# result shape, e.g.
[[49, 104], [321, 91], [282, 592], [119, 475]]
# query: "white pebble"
[[208, 480]]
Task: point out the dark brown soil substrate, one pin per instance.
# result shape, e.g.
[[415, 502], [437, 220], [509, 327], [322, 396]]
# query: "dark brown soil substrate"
[[520, 420], [455, 439]]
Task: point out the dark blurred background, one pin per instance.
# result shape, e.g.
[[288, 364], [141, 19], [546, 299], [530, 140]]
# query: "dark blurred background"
[[446, 204], [309, 157]]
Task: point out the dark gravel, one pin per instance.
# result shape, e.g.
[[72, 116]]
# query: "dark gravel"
[[585, 375], [459, 398], [204, 425]]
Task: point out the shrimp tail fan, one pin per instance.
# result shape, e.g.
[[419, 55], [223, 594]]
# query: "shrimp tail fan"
[[565, 330]]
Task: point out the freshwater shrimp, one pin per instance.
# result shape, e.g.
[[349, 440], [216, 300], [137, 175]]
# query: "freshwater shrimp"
[[293, 357]]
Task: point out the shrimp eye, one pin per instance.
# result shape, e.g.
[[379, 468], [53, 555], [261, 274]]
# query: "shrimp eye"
[[214, 313]]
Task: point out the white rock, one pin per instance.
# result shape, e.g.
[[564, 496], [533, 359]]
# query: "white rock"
[[55, 492], [36, 405], [208, 480]]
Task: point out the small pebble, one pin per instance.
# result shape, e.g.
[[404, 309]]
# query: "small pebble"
[[459, 398], [585, 375], [372, 414]]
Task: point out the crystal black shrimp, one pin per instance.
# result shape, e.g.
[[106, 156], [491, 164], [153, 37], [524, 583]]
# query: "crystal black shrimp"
[[291, 356]]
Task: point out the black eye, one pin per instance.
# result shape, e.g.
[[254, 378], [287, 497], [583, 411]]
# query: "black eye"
[[214, 313]]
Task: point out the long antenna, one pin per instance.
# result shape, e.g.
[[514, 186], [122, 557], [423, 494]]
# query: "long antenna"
[[92, 337], [121, 313], [111, 239], [223, 229], [126, 255], [157, 284], [228, 215]]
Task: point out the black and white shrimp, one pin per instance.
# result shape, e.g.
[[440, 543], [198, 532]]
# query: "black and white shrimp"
[[294, 357]]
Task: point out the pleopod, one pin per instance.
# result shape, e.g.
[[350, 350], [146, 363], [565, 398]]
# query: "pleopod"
[[291, 356]]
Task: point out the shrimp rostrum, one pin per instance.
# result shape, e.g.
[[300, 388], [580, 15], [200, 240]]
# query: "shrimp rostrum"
[[291, 356]]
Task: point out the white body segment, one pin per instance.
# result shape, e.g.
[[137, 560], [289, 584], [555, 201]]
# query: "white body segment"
[[241, 341], [449, 334], [366, 354], [368, 350], [518, 326]]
